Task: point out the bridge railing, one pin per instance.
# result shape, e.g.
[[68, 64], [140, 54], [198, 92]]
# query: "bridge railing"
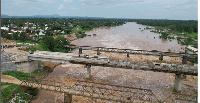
[[124, 93], [96, 90]]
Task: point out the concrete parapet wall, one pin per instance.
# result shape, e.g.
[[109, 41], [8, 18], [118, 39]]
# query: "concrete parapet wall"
[[27, 66], [12, 61], [8, 66]]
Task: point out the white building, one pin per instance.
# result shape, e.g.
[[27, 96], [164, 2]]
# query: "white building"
[[4, 28]]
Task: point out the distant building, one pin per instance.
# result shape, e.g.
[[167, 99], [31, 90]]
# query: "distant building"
[[4, 28], [41, 34], [62, 32]]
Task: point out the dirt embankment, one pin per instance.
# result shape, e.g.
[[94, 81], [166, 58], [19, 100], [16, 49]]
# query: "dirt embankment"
[[15, 50], [9, 79], [6, 41], [50, 64], [70, 37]]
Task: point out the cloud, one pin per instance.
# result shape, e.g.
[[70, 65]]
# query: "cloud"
[[22, 2], [68, 1], [168, 6], [96, 2], [60, 7]]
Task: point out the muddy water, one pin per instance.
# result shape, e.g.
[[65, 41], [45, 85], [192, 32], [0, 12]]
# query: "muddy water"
[[128, 36]]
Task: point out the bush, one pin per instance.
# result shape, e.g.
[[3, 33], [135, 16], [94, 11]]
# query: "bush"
[[32, 91]]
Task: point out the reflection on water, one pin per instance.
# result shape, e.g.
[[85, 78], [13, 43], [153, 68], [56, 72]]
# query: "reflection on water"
[[128, 36]]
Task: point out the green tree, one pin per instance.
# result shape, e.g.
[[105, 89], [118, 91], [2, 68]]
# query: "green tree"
[[60, 43], [48, 43]]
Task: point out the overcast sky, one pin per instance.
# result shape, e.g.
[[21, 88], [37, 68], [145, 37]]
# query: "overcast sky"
[[137, 9]]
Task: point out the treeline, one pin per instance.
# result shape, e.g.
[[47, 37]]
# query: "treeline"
[[52, 28], [175, 25], [63, 23]]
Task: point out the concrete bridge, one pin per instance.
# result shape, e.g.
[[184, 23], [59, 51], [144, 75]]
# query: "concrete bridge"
[[94, 60], [105, 61]]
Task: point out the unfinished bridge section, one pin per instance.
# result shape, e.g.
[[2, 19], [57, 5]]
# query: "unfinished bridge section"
[[107, 62], [95, 60], [184, 55]]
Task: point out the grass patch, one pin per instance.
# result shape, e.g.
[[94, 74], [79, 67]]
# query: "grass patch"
[[5, 83], [34, 48], [20, 94], [6, 91]]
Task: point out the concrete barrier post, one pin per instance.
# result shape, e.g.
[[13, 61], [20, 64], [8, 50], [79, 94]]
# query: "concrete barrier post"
[[98, 52], [177, 82], [88, 72], [184, 60], [128, 55], [67, 98], [161, 57], [80, 50]]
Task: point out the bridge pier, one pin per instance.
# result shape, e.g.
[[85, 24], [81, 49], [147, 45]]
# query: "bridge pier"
[[80, 50], [161, 57], [128, 55], [184, 60], [177, 82], [98, 52], [89, 75], [67, 98]]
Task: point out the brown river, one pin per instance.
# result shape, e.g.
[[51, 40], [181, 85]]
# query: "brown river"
[[125, 36], [128, 36]]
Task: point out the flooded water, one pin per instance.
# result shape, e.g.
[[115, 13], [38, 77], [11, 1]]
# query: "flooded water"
[[128, 36]]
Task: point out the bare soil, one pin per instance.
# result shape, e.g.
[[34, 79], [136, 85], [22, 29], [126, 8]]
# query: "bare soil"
[[16, 50], [70, 37], [6, 41], [9, 79]]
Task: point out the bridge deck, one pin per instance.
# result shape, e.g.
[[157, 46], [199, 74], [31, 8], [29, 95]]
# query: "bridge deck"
[[106, 62]]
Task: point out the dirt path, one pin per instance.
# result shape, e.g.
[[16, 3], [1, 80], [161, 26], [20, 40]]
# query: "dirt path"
[[10, 79]]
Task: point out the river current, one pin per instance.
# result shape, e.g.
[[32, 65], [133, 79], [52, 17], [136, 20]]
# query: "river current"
[[128, 36]]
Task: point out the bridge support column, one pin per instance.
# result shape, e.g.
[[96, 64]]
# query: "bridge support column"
[[128, 55], [80, 50], [161, 57], [98, 52], [70, 50], [177, 82], [184, 60], [88, 76], [67, 98]]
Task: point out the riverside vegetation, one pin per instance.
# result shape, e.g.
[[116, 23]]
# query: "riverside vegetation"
[[185, 31], [48, 32]]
